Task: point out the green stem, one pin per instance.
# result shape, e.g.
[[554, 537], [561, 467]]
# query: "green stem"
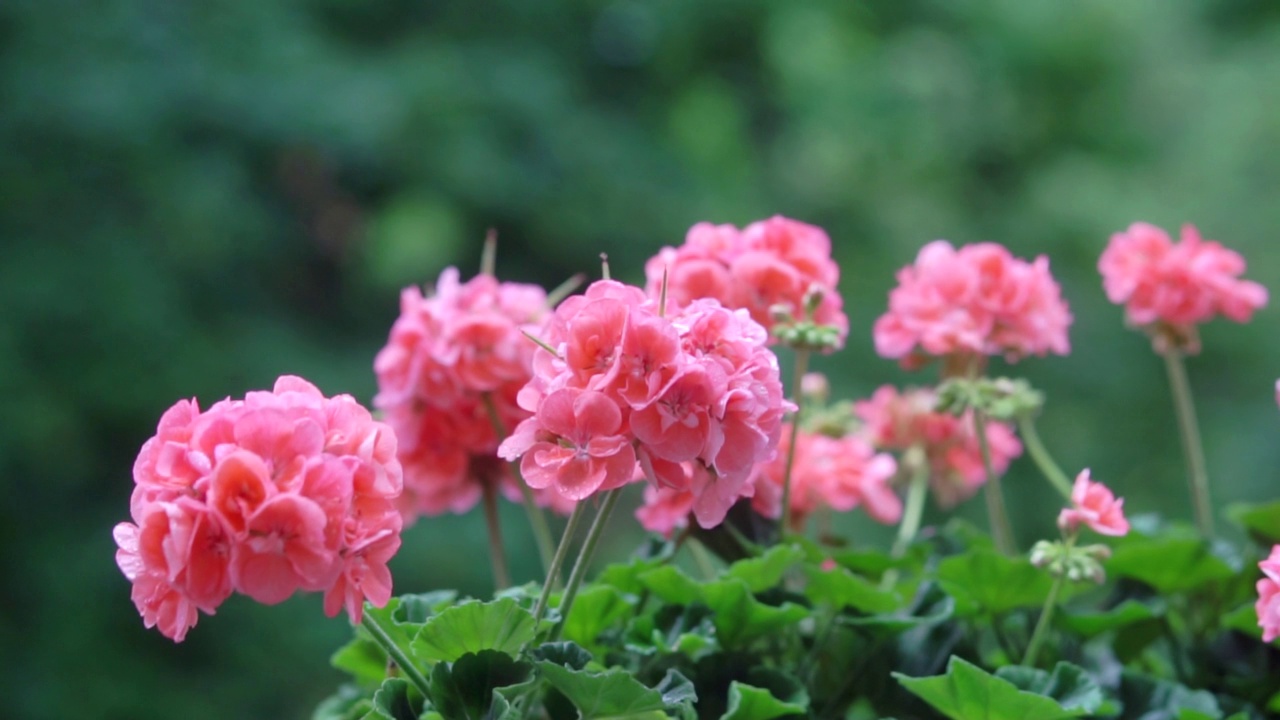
[[1041, 457], [916, 493], [584, 557], [703, 559], [997, 515], [1191, 445], [537, 519], [497, 555], [801, 367], [383, 638], [562, 551], [1046, 615]]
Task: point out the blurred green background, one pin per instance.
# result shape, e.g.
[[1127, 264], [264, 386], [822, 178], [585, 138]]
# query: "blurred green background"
[[198, 197]]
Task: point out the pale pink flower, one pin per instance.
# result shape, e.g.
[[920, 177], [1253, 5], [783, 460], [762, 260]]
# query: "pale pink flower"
[[1268, 605], [665, 509], [899, 421], [1094, 505], [975, 301], [840, 473], [266, 495], [1169, 288], [769, 266], [449, 356]]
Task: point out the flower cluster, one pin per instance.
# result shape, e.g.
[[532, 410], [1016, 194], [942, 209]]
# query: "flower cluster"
[[1093, 504], [901, 421], [978, 300], [282, 491], [453, 362], [773, 268], [694, 400], [1268, 605], [837, 472], [1169, 288]]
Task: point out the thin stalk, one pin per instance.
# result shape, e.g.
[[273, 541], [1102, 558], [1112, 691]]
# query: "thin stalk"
[[917, 491], [562, 551], [1191, 445], [1041, 457], [998, 516], [497, 555], [383, 638], [489, 256], [1046, 615], [801, 367], [537, 518], [702, 558], [584, 557]]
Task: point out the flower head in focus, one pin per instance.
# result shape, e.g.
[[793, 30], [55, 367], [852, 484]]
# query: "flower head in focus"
[[1170, 288], [282, 491], [972, 302], [1093, 504]]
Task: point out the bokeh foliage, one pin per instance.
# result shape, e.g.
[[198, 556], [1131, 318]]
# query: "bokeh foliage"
[[198, 197]]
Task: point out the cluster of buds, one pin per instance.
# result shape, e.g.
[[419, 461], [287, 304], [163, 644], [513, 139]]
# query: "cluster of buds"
[[1075, 563], [999, 398], [804, 333]]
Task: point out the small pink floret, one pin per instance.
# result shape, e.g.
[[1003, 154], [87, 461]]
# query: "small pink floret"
[[1094, 505], [1268, 605]]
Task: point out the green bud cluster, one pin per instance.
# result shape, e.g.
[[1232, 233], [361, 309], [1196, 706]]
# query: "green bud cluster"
[[1077, 564], [997, 398]]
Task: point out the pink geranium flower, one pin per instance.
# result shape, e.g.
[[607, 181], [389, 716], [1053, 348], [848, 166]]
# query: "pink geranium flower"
[[768, 267], [281, 491], [1094, 505], [1169, 288], [1268, 605], [898, 421], [450, 355], [972, 302]]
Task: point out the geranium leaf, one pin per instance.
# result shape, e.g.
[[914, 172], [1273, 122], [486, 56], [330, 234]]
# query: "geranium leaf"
[[596, 609], [349, 703], [966, 692], [363, 658], [617, 693], [670, 584], [841, 588], [1091, 624], [985, 582], [465, 688], [472, 627], [739, 618], [753, 703], [1169, 564], [1261, 521], [1144, 697], [766, 571], [1068, 684], [396, 699]]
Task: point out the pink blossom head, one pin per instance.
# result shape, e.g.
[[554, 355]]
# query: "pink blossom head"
[[453, 365], [975, 301], [841, 473], [772, 268], [1268, 604], [282, 491], [1093, 504], [1169, 288], [904, 420]]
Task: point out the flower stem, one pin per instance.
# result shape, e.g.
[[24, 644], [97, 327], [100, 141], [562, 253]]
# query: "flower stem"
[[584, 557], [497, 555], [1191, 445], [537, 519], [383, 638], [562, 551], [1046, 615], [1041, 456], [997, 515], [801, 367], [916, 493]]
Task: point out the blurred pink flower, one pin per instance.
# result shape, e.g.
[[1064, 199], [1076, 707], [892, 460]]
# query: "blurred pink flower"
[[1268, 605], [1094, 505], [281, 491], [1170, 288], [977, 300]]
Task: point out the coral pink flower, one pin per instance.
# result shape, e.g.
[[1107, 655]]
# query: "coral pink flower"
[[690, 399], [769, 266], [450, 357], [665, 509], [1169, 288], [1268, 605], [837, 472], [1095, 506], [277, 492], [900, 421], [974, 301]]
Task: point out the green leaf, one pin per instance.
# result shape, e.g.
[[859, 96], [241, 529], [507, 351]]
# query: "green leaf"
[[1145, 697], [596, 609], [938, 611], [616, 693], [670, 584], [766, 571], [626, 576], [396, 699], [739, 618], [1070, 685], [841, 588], [363, 658], [1169, 564], [1244, 619], [966, 692], [570, 655], [1261, 521], [985, 582], [474, 626], [1091, 624], [752, 703], [465, 689], [349, 703], [400, 630]]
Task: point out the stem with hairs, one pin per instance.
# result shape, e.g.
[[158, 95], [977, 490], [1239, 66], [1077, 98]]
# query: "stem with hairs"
[[1041, 457], [801, 367], [998, 516], [584, 557], [1197, 476]]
